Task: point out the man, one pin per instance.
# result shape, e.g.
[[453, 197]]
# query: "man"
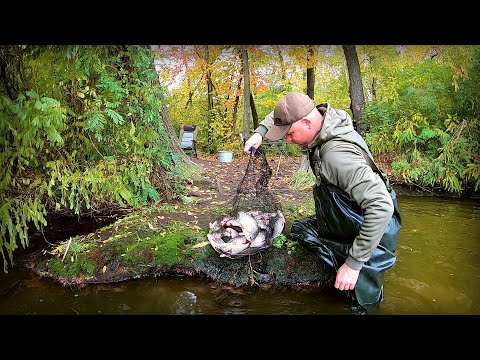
[[363, 238]]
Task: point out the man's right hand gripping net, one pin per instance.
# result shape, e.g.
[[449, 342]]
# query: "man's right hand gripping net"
[[257, 216]]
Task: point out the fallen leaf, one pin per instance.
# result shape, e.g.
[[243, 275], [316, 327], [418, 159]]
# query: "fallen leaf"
[[202, 244]]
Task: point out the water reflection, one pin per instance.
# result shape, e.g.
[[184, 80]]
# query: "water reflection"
[[437, 272]]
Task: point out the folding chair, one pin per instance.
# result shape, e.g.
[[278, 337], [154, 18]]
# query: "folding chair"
[[188, 139]]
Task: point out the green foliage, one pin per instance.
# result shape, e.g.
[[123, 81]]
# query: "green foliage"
[[410, 91], [16, 215], [86, 136], [282, 240], [302, 179], [431, 125]]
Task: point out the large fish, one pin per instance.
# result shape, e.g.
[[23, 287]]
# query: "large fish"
[[226, 249], [246, 234], [277, 223], [248, 224], [260, 240]]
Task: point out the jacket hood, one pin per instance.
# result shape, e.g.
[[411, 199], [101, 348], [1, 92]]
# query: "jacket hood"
[[336, 122]]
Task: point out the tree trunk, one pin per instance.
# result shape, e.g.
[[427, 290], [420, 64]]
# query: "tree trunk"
[[12, 75], [172, 135], [235, 108], [374, 88], [283, 68], [311, 73], [246, 94], [254, 111], [357, 97], [304, 162], [209, 98], [167, 122]]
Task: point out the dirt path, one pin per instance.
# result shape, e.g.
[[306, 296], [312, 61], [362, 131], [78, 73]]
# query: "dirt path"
[[224, 179]]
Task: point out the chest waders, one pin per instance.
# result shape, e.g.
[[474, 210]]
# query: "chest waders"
[[337, 221]]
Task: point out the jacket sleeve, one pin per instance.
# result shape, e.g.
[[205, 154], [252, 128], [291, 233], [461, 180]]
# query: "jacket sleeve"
[[265, 125], [345, 167]]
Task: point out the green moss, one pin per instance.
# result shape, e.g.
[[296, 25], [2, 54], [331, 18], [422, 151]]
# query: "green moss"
[[68, 269], [122, 245], [135, 244], [166, 248]]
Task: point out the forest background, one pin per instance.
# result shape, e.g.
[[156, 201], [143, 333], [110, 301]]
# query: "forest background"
[[92, 129]]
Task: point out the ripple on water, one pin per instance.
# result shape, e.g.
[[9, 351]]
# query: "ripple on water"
[[185, 304]]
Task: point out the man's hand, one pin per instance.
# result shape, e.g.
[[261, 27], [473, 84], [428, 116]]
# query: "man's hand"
[[255, 140], [346, 278]]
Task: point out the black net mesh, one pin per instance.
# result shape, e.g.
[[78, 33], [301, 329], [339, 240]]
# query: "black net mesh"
[[253, 193], [257, 216]]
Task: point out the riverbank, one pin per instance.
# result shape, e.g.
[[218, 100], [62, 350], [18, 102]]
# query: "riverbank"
[[169, 239]]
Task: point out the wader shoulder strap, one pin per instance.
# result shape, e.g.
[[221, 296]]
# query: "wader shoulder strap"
[[330, 144]]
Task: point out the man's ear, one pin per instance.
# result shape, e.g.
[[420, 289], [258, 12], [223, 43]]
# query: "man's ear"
[[306, 122]]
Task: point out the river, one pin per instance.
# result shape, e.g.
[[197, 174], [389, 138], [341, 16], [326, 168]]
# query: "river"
[[437, 273]]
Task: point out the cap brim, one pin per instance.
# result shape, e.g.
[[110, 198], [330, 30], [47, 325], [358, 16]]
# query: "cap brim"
[[277, 132]]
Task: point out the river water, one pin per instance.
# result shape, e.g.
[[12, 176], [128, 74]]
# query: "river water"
[[437, 273]]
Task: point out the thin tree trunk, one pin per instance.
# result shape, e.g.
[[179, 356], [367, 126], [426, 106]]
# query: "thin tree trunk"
[[172, 135], [357, 97], [225, 111], [311, 73], [283, 70], [254, 111], [209, 98], [167, 121], [235, 108], [374, 88], [304, 162], [246, 94], [11, 70]]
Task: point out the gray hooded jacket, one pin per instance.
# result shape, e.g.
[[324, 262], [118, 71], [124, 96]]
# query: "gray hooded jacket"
[[345, 166]]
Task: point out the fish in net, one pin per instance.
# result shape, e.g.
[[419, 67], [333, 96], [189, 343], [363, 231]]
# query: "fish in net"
[[257, 215]]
